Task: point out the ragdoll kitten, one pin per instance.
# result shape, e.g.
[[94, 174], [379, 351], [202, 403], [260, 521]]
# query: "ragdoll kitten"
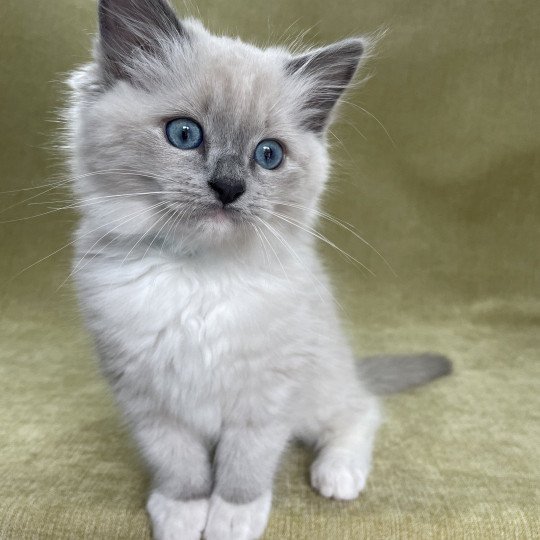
[[198, 166]]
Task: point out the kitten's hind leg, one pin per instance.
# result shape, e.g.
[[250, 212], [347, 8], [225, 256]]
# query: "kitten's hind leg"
[[344, 443]]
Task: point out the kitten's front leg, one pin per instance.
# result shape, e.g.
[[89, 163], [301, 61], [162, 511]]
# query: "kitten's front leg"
[[174, 519], [181, 471], [246, 461]]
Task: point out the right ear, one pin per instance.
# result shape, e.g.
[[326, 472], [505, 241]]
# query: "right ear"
[[129, 26], [326, 74]]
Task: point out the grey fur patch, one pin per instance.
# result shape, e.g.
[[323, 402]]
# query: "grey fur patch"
[[330, 70], [391, 374], [127, 27], [229, 166]]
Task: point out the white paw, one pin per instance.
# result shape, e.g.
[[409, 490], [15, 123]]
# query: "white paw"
[[228, 521], [339, 475], [176, 520]]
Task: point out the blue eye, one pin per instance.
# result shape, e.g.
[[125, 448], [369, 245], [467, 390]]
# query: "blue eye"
[[269, 154], [184, 133]]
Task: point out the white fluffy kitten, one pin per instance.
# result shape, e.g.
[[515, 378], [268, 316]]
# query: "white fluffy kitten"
[[198, 165]]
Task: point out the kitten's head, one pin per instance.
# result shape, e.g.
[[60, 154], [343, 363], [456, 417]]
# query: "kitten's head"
[[182, 133]]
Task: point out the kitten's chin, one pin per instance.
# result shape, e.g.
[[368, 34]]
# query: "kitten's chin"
[[218, 215], [218, 225], [209, 228]]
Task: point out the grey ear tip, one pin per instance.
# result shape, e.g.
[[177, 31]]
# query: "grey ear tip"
[[353, 47], [359, 43]]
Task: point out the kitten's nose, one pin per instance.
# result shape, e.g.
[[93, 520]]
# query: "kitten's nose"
[[227, 189]]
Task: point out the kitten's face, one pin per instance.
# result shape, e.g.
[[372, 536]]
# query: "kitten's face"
[[200, 137]]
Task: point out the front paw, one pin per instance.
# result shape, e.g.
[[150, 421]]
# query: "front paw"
[[176, 520], [229, 521], [339, 475]]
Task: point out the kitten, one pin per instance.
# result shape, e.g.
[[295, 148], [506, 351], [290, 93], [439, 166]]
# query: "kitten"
[[198, 165]]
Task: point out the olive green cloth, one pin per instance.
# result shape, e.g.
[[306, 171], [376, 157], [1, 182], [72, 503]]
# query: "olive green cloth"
[[436, 165]]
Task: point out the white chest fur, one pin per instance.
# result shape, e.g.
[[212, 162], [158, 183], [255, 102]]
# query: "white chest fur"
[[194, 339]]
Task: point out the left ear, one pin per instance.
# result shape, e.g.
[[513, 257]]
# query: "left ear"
[[324, 74], [129, 26]]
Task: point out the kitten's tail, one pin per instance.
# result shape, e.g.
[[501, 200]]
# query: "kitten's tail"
[[391, 374]]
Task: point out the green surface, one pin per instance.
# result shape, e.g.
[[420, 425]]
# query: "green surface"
[[453, 203]]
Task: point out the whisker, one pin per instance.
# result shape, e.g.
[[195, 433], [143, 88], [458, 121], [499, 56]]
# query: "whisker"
[[353, 125], [41, 186], [64, 247], [144, 235], [73, 178], [170, 229], [89, 202], [374, 118], [258, 232], [116, 195], [172, 216], [297, 257], [321, 237], [345, 225], [341, 143], [78, 267], [274, 251]]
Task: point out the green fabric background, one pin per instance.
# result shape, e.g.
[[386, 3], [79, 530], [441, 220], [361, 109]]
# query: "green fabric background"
[[450, 196]]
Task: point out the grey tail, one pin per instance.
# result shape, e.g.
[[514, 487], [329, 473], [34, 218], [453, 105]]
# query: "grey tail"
[[391, 374]]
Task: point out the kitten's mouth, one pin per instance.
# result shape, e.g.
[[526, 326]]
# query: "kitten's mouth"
[[220, 214]]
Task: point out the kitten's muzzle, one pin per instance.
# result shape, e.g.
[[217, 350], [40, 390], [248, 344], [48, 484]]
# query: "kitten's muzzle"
[[227, 189]]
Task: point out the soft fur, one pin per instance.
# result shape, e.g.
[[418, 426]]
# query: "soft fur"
[[216, 326]]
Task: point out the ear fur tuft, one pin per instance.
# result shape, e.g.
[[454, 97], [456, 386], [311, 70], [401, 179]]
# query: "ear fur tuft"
[[127, 27], [328, 71]]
